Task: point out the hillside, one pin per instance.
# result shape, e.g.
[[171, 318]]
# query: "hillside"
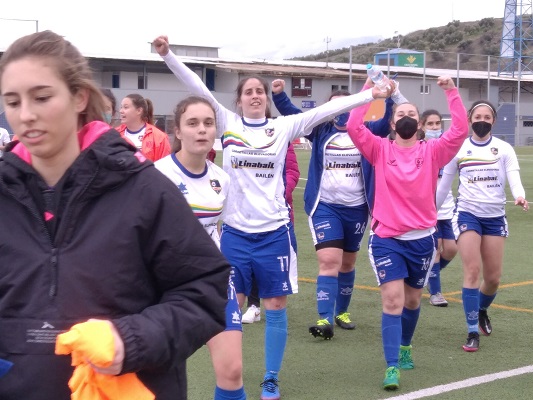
[[473, 40]]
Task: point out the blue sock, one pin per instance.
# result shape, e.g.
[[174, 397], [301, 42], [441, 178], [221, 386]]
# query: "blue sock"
[[391, 333], [444, 263], [5, 366], [409, 321], [434, 279], [471, 307], [485, 300], [326, 294], [345, 290], [222, 394], [275, 340]]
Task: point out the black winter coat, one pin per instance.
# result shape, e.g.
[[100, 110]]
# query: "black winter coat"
[[124, 245]]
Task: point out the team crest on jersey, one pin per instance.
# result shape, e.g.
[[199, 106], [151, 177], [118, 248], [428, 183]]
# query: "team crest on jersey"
[[463, 227], [494, 150], [234, 163], [469, 152], [215, 185], [141, 138], [382, 274], [269, 132], [419, 162]]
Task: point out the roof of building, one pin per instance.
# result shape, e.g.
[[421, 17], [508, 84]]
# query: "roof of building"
[[399, 50], [306, 68]]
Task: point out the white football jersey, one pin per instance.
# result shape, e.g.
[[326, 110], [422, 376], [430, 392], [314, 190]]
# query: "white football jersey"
[[483, 172], [206, 193]]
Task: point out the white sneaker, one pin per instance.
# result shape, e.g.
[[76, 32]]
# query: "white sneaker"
[[253, 314], [438, 300]]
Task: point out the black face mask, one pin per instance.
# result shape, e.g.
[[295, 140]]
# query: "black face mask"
[[406, 127], [481, 128]]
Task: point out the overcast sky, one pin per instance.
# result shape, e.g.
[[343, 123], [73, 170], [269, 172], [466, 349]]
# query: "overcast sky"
[[274, 30]]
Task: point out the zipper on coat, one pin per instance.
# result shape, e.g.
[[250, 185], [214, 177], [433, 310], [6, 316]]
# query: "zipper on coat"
[[53, 272]]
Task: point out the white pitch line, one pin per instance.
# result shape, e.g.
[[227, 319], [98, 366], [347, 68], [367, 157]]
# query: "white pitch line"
[[419, 394]]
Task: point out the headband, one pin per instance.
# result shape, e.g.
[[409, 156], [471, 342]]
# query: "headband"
[[482, 104]]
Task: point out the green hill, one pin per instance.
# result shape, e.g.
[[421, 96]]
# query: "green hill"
[[474, 41]]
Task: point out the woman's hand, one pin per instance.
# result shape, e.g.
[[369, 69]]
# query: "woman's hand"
[[522, 202], [445, 82], [161, 45], [118, 360], [278, 86]]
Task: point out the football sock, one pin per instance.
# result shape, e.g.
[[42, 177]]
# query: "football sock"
[[485, 300], [434, 279], [221, 394], [409, 321], [275, 339], [391, 333], [444, 263], [326, 294], [345, 290], [471, 307]]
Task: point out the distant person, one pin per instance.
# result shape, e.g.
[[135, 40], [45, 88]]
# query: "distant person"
[[484, 164], [401, 245], [110, 102], [206, 186], [136, 117], [256, 234], [95, 232], [4, 140], [431, 126]]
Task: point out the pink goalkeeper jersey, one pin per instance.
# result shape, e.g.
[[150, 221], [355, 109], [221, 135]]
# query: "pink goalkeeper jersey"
[[406, 177]]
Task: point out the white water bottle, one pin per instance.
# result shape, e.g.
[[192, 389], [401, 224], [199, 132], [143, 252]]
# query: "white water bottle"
[[378, 77]]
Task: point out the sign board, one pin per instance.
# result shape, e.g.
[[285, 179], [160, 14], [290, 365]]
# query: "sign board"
[[308, 104], [411, 60]]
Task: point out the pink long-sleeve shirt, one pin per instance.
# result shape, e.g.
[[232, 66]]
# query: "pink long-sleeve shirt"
[[406, 177]]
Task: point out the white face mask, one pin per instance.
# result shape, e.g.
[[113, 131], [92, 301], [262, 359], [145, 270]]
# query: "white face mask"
[[433, 133]]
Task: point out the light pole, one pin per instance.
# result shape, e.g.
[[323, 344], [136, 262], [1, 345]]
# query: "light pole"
[[24, 20], [327, 40]]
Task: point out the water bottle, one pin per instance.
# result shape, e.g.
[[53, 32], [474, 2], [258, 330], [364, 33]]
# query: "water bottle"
[[378, 77]]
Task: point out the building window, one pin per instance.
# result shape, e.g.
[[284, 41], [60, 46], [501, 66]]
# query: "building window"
[[334, 88], [302, 87], [115, 80], [528, 124], [210, 79], [425, 89], [142, 81]]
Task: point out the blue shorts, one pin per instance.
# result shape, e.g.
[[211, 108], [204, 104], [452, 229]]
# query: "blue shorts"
[[464, 221], [444, 229], [335, 225], [266, 255], [410, 260], [233, 312]]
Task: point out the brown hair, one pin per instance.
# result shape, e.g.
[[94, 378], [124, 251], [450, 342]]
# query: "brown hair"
[[478, 103], [180, 109], [70, 66], [109, 94], [340, 92], [266, 88], [145, 104], [424, 117]]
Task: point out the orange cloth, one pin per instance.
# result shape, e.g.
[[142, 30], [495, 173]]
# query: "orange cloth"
[[93, 342]]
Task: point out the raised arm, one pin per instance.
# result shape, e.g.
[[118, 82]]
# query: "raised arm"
[[190, 79], [303, 124], [281, 100], [367, 143], [447, 146]]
